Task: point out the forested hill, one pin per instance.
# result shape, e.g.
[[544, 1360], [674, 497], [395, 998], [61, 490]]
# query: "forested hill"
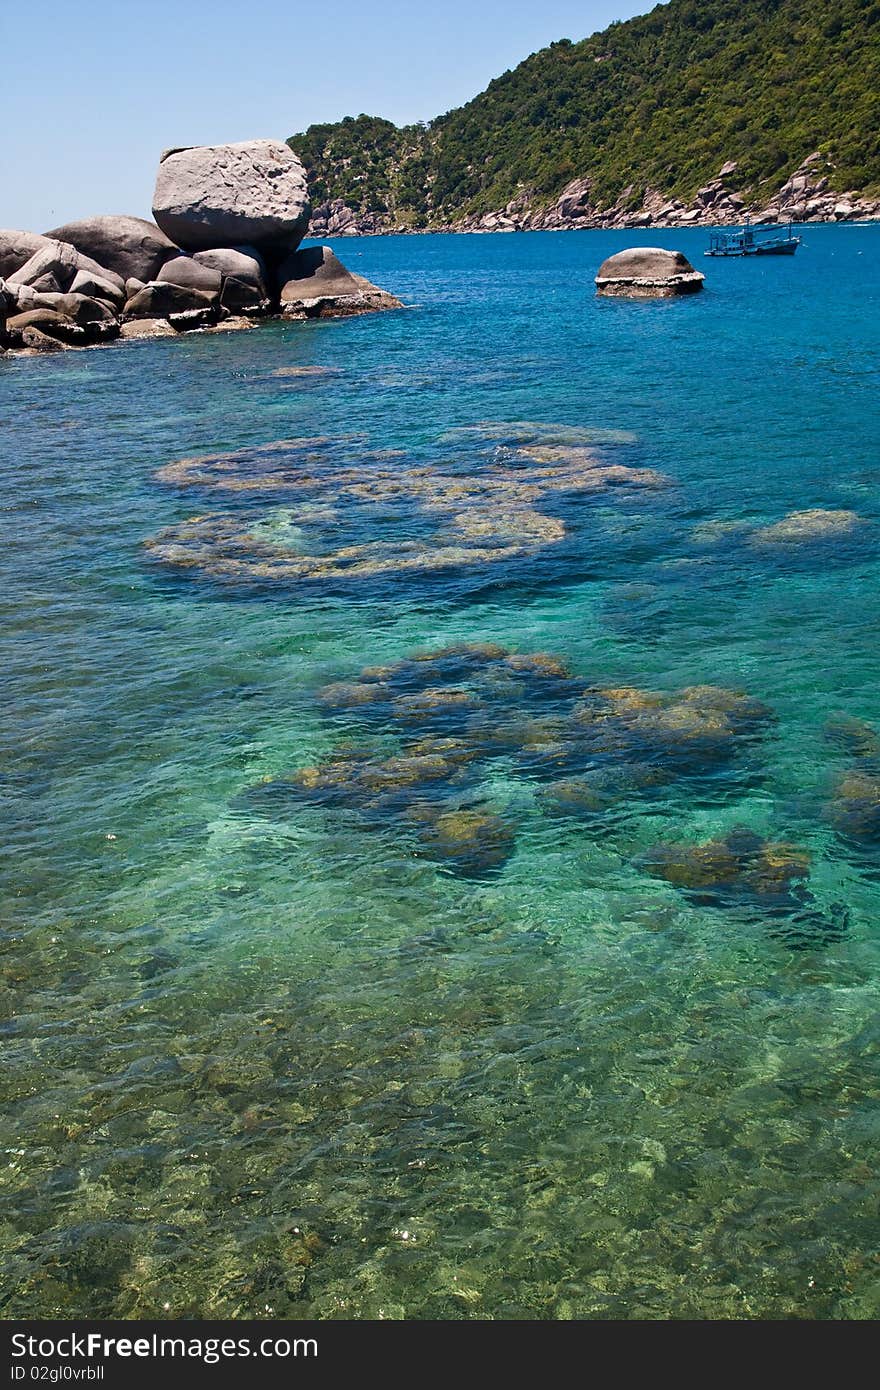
[[660, 102]]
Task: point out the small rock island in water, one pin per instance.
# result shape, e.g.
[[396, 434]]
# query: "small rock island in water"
[[648, 272], [224, 251]]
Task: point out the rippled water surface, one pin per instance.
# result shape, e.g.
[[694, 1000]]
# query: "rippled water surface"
[[475, 986]]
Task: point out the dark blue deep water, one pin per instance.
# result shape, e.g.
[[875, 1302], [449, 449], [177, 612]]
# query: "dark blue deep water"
[[474, 987]]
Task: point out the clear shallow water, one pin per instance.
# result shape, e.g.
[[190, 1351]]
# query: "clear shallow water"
[[288, 1064]]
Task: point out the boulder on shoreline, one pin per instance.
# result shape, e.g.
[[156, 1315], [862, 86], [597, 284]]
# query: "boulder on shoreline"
[[54, 324], [54, 265], [97, 287], [253, 193], [648, 272], [127, 246], [313, 283], [179, 304], [245, 278], [312, 272], [33, 340], [52, 269], [186, 272], [16, 249], [147, 328]]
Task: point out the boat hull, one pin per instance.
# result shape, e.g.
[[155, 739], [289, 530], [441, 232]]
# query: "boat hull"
[[787, 248]]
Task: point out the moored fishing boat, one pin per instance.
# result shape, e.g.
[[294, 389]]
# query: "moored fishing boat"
[[754, 241]]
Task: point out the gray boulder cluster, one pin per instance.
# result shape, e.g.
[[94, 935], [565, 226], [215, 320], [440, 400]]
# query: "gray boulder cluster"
[[224, 250]]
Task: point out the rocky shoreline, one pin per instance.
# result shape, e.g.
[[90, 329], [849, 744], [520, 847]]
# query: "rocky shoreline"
[[806, 196], [223, 252]]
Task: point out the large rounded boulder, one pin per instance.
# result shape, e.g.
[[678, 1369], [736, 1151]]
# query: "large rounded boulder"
[[648, 272], [185, 271], [129, 246], [313, 283], [313, 272], [16, 248], [252, 193], [245, 279]]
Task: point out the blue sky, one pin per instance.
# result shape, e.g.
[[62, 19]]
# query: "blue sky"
[[93, 91]]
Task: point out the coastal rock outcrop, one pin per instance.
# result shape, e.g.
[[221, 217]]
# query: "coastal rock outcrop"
[[128, 246], [52, 268], [80, 309], [313, 282], [252, 193], [237, 213], [648, 272], [338, 219]]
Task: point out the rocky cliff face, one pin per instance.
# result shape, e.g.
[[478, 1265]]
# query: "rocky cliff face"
[[804, 197]]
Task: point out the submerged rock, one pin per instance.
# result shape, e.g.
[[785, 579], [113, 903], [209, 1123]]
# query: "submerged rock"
[[250, 193], [343, 695], [742, 864], [231, 547], [804, 527], [648, 272], [358, 779], [147, 328], [743, 870], [472, 842], [854, 810], [690, 731], [435, 705], [534, 432], [455, 711], [448, 520], [306, 372], [594, 793], [294, 465], [856, 736]]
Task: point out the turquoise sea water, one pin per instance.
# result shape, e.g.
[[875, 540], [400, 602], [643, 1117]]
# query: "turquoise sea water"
[[276, 1054]]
